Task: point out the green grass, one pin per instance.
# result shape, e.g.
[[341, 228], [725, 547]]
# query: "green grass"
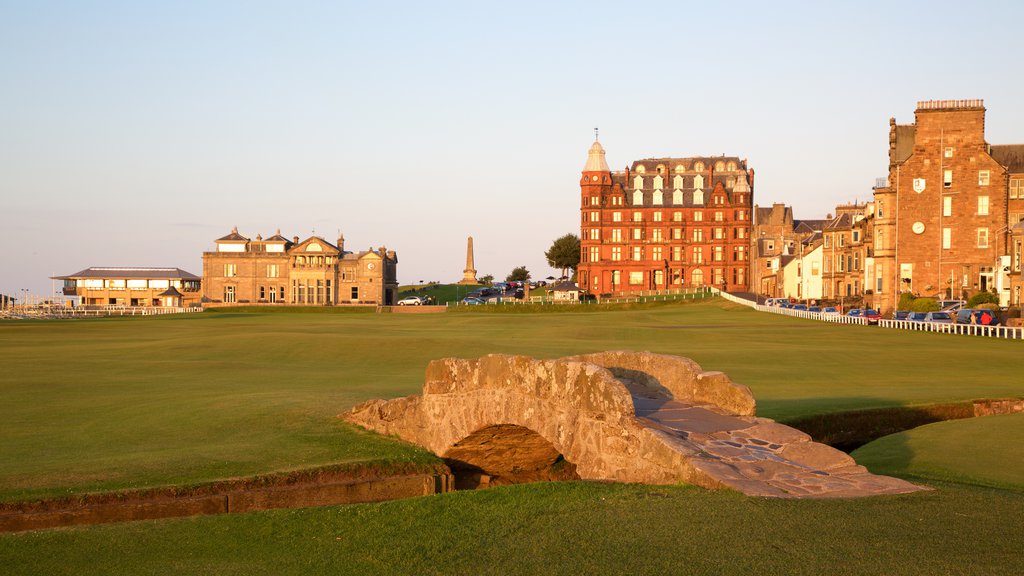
[[563, 528], [983, 451], [104, 404], [135, 402]]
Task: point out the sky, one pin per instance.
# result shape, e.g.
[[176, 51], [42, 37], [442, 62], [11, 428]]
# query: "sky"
[[136, 133]]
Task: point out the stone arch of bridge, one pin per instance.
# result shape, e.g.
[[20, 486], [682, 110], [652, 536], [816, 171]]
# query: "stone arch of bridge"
[[499, 454]]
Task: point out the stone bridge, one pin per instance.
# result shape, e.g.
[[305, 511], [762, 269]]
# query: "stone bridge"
[[614, 416]]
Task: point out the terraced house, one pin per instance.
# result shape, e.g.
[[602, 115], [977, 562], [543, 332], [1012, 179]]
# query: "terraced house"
[[665, 223], [946, 211], [313, 272], [848, 252]]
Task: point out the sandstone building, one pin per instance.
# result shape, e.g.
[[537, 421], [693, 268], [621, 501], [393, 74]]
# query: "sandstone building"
[[665, 223], [125, 286], [778, 240], [312, 272], [944, 215], [848, 252]]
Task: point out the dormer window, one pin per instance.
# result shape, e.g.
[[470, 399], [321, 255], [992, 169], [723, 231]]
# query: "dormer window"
[[698, 181], [657, 198], [658, 182], [698, 166], [698, 196], [638, 198], [638, 183], [719, 166], [677, 197]]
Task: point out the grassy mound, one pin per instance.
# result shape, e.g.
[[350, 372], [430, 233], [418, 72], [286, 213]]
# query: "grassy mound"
[[983, 451]]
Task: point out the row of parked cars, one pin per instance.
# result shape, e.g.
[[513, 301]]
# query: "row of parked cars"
[[962, 316], [979, 316]]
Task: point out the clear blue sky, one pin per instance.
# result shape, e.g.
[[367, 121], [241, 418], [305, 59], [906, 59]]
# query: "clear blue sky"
[[135, 133]]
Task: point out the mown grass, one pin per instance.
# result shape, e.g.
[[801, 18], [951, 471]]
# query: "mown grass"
[[563, 528], [983, 451], [104, 404]]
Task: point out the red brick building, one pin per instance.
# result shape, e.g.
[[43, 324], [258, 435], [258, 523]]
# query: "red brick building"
[[944, 215], [665, 223]]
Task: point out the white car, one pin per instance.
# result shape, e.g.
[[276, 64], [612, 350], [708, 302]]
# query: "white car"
[[411, 301]]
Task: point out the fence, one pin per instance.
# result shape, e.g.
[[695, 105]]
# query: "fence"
[[639, 298], [1004, 332], [56, 312]]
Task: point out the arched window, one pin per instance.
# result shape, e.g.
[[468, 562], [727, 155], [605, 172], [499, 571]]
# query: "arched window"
[[697, 277], [731, 167], [638, 197], [719, 166], [698, 167], [677, 197], [657, 198], [640, 169], [680, 168], [638, 182]]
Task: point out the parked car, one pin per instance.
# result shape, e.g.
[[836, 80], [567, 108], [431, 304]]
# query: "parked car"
[[802, 307], [976, 316], [941, 317], [814, 308], [900, 315], [949, 305], [917, 316], [830, 310], [872, 316], [411, 301], [472, 301], [855, 312]]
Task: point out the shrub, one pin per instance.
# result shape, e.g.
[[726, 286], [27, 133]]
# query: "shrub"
[[982, 298], [906, 301], [924, 305], [986, 306]]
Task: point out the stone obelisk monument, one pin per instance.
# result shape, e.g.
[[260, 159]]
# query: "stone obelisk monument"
[[469, 274]]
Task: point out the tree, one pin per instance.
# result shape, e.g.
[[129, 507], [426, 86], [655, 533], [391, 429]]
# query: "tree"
[[564, 254], [982, 298], [925, 305], [487, 279], [518, 274]]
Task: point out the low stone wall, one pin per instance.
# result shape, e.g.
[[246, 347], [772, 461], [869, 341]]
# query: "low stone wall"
[[996, 407], [105, 508], [675, 377]]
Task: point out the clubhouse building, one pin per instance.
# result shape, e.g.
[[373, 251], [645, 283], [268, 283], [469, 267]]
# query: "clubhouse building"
[[126, 286], [313, 272]]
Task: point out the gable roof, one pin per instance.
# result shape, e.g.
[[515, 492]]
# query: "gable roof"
[[234, 236], [328, 248], [809, 225], [905, 135], [1009, 155]]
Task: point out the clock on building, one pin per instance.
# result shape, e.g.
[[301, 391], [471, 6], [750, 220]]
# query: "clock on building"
[[918, 227], [371, 266]]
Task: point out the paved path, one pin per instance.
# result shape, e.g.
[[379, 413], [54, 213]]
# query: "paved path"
[[761, 457]]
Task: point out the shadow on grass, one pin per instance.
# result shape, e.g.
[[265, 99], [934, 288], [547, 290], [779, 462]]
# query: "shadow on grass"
[[851, 429]]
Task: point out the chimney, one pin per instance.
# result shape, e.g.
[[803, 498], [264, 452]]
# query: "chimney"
[[295, 239], [341, 242]]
